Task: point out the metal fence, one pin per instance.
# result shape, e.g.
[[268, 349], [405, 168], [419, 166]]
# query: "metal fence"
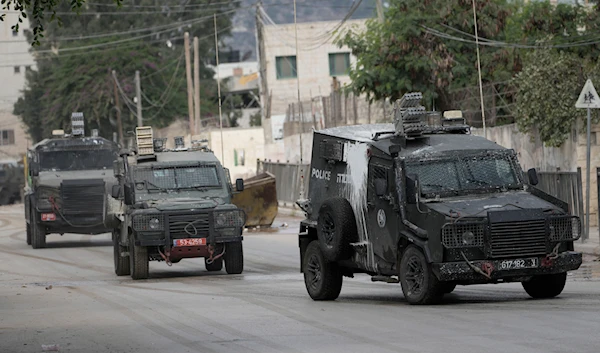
[[288, 178], [566, 186]]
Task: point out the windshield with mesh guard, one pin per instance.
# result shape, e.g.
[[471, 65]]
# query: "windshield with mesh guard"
[[178, 177], [459, 175]]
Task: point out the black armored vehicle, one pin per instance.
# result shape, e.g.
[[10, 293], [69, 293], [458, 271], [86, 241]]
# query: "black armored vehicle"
[[424, 203], [69, 177], [176, 204]]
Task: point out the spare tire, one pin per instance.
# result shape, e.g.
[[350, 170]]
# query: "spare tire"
[[336, 229]]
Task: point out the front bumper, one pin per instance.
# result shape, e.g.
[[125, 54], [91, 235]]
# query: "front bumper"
[[141, 240], [463, 272]]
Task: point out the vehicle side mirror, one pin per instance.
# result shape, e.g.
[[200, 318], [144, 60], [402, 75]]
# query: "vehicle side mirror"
[[380, 186], [34, 168], [116, 191], [239, 185], [532, 176], [129, 194], [412, 189]]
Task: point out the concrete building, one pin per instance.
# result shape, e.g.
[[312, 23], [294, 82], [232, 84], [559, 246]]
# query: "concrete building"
[[315, 65], [15, 61]]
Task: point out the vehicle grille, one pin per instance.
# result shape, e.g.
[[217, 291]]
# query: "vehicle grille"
[[83, 201], [518, 238], [189, 225]]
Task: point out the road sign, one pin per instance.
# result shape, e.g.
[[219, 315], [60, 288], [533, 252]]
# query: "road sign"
[[588, 98]]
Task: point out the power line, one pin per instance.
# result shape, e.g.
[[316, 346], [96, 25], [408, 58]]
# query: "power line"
[[177, 5], [138, 30]]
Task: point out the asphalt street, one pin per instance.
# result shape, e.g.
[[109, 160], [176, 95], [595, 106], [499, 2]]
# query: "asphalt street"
[[67, 295]]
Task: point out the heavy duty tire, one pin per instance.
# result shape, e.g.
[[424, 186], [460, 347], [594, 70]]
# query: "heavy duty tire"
[[138, 260], [323, 279], [419, 284], [121, 262], [38, 234], [28, 234], [336, 229], [216, 265], [546, 286], [234, 258]]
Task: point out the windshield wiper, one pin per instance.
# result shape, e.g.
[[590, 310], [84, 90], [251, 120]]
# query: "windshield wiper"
[[155, 186], [480, 182]]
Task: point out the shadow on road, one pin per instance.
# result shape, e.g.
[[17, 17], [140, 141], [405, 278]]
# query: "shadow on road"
[[77, 244]]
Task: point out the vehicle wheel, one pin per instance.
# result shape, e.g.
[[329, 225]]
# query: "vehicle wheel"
[[336, 229], [419, 284], [545, 286], [28, 234], [323, 279], [38, 235], [216, 265], [138, 260], [234, 258], [447, 287], [121, 262]]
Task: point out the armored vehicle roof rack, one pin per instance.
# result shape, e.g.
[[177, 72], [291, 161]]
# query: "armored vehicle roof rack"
[[145, 143], [77, 124], [412, 121]]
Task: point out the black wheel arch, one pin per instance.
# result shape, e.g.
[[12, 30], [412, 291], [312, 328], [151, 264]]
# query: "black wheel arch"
[[407, 238]]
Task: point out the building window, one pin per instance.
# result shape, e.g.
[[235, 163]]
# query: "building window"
[[15, 33], [7, 137], [239, 158], [339, 64], [27, 68], [286, 67], [17, 69]]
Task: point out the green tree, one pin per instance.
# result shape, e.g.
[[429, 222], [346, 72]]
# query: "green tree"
[[405, 53], [548, 87], [75, 61]]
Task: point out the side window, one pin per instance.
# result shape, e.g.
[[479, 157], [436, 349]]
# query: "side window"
[[378, 180]]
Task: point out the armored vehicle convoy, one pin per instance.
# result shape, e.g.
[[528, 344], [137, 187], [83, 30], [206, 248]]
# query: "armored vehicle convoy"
[[424, 203], [68, 178], [176, 205]]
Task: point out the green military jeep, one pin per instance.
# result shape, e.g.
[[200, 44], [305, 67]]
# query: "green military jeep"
[[176, 204]]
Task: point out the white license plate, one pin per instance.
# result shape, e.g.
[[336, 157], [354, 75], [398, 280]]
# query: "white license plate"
[[189, 242], [519, 263]]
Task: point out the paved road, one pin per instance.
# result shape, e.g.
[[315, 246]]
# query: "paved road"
[[185, 309]]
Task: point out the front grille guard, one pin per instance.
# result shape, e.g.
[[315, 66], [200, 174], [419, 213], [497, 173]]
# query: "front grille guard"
[[564, 228]]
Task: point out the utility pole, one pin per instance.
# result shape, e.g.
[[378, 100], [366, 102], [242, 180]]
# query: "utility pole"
[[196, 86], [138, 94], [299, 105], [380, 11], [118, 108], [188, 74], [479, 70], [219, 90]]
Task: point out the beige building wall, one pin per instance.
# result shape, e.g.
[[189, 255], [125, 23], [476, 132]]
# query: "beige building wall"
[[315, 43], [15, 60], [241, 149]]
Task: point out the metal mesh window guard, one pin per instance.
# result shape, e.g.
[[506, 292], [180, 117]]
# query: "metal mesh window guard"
[[455, 174], [179, 177]]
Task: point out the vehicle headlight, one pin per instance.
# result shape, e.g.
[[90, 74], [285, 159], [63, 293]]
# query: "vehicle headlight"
[[564, 228], [468, 238], [146, 223], [154, 224], [462, 235], [229, 219]]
